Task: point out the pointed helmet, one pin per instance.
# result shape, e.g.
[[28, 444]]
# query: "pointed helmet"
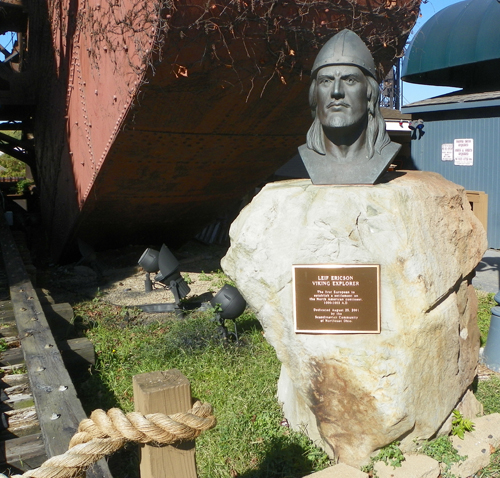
[[345, 48]]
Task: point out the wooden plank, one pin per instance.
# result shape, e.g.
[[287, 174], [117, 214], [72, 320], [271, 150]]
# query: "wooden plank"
[[15, 369], [44, 296], [25, 453], [76, 353], [17, 402], [13, 380], [165, 392], [59, 316], [21, 423], [16, 389], [8, 331], [58, 408], [5, 308]]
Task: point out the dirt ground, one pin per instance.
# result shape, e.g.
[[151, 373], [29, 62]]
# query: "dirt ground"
[[116, 277]]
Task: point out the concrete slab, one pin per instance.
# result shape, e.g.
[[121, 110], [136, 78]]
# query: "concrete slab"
[[488, 272], [414, 466], [487, 429], [339, 471], [477, 453]]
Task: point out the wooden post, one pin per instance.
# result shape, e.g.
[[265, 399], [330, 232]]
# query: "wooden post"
[[165, 392], [479, 204]]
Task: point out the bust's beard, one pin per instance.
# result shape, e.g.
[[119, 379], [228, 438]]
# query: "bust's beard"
[[315, 135], [340, 122]]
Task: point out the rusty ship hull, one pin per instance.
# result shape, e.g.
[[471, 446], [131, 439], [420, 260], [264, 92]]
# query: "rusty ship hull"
[[154, 117]]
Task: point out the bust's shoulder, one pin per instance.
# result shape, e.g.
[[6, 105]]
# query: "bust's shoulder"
[[324, 170], [390, 149]]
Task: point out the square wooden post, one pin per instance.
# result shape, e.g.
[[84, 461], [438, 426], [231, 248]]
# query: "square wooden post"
[[165, 392], [479, 204]]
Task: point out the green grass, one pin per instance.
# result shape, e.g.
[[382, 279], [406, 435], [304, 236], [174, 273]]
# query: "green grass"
[[488, 393], [493, 470], [239, 380], [486, 302], [13, 167]]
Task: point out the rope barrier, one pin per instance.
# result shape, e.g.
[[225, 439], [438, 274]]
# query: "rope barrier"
[[104, 433]]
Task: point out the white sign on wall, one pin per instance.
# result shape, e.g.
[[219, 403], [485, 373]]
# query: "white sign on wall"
[[447, 152], [463, 152]]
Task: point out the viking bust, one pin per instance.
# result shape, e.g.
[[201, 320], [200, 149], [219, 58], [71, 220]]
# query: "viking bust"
[[347, 142]]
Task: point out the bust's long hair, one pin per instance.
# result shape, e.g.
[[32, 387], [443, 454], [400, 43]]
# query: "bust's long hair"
[[376, 135]]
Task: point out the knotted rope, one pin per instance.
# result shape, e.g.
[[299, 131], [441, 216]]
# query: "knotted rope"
[[104, 433]]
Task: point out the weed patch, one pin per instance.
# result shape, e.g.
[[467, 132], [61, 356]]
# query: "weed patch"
[[391, 455], [239, 380], [441, 449], [460, 425]]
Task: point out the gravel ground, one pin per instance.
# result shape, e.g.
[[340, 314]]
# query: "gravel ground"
[[116, 277]]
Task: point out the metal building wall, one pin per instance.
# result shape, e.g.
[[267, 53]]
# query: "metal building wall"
[[484, 175]]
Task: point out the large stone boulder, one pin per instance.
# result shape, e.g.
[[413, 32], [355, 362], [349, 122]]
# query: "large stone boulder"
[[355, 393]]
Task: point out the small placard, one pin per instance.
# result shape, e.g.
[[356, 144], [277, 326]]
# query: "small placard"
[[337, 299], [463, 152], [447, 152]]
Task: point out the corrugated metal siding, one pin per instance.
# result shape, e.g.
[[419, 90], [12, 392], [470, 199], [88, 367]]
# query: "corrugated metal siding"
[[484, 175]]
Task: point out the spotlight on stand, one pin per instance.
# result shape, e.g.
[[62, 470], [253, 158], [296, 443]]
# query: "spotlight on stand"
[[170, 276], [167, 266], [229, 305], [149, 262]]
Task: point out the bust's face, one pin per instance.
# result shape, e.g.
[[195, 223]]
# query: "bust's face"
[[342, 94]]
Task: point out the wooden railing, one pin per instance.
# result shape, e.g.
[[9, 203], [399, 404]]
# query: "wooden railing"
[[57, 405]]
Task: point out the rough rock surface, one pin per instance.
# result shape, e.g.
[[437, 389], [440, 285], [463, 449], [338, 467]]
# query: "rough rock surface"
[[356, 393], [469, 406]]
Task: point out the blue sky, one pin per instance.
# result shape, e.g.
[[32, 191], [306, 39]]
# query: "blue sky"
[[412, 92], [7, 41]]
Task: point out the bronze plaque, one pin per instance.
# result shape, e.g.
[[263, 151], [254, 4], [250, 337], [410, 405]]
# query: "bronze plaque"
[[337, 299]]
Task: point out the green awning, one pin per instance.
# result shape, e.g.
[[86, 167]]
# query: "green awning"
[[459, 46]]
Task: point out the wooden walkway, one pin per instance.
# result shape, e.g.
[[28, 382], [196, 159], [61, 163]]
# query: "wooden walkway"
[[41, 409]]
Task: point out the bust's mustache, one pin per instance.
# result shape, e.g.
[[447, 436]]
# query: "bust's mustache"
[[338, 103]]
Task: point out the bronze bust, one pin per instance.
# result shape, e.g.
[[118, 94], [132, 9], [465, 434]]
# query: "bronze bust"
[[347, 142]]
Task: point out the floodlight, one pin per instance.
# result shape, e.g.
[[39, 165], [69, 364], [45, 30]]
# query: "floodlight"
[[229, 304], [167, 266], [149, 260], [170, 276]]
